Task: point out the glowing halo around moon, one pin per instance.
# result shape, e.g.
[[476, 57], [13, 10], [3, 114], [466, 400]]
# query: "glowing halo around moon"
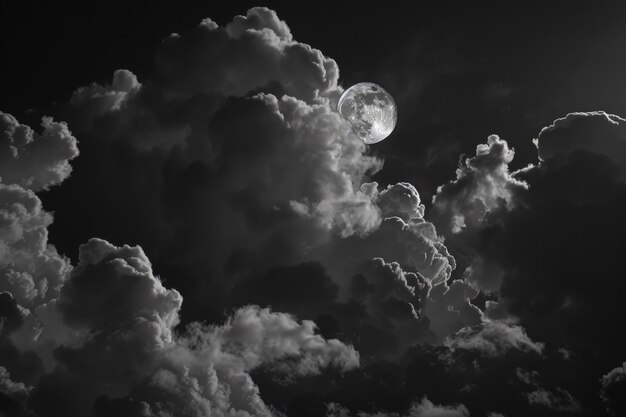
[[370, 110]]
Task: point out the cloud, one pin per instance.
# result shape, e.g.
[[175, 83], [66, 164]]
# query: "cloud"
[[493, 338], [10, 388], [35, 161], [449, 308], [422, 408], [482, 186], [30, 268], [186, 64], [125, 319], [390, 301], [111, 285], [207, 370], [235, 136], [400, 200], [379, 311], [612, 389], [426, 408], [559, 400], [551, 258], [595, 132], [230, 167], [12, 395]]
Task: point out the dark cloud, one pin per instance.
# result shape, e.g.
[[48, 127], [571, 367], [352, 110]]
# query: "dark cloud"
[[550, 247], [106, 329], [126, 345], [309, 289], [30, 268], [217, 200], [613, 387], [423, 408], [12, 395]]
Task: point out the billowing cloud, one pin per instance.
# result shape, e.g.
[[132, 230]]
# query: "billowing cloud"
[[110, 285], [228, 168], [493, 338], [613, 388], [305, 283], [422, 408], [215, 59], [207, 371], [12, 394], [31, 160], [379, 311], [483, 185], [125, 318], [594, 132], [30, 268], [449, 308], [551, 257]]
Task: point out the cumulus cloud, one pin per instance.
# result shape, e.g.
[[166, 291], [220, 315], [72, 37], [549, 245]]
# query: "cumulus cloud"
[[207, 370], [292, 171], [596, 132], [213, 59], [31, 160], [30, 268], [613, 388], [232, 170], [380, 311], [449, 308], [125, 318], [493, 338], [558, 400], [11, 388], [235, 136], [426, 408], [548, 250], [390, 300], [110, 285], [483, 185], [422, 408], [12, 395], [400, 200]]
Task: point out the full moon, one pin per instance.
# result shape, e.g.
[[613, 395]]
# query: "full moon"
[[370, 110]]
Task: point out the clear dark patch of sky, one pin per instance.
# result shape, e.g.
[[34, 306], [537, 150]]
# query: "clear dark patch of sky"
[[458, 70]]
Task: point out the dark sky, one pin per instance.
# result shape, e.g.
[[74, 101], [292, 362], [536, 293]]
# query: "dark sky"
[[197, 232]]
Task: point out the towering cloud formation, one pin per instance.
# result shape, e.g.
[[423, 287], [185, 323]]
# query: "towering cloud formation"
[[482, 186], [552, 255], [230, 160], [30, 268], [230, 167], [187, 170], [130, 316]]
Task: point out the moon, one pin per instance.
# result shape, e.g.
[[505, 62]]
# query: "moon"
[[370, 110]]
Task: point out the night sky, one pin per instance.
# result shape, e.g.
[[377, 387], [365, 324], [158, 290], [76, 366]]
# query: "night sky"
[[189, 228]]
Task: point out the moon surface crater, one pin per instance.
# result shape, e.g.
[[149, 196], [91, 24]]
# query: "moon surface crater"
[[370, 110]]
